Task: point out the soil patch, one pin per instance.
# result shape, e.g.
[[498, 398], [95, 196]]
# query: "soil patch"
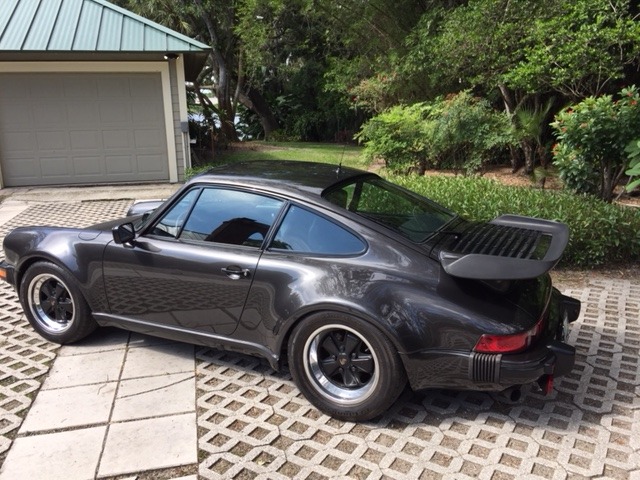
[[582, 278]]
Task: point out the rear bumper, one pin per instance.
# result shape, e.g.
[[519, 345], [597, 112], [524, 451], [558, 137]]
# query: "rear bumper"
[[555, 358], [494, 372]]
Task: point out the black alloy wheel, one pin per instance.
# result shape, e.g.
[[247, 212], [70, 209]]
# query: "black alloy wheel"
[[345, 366], [54, 305]]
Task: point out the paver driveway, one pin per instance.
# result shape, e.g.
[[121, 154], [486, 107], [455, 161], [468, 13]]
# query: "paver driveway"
[[252, 422]]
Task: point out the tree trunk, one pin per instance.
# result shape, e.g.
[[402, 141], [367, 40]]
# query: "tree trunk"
[[606, 183], [225, 105], [255, 102], [516, 159], [226, 110], [509, 107], [227, 116], [507, 99], [529, 156]]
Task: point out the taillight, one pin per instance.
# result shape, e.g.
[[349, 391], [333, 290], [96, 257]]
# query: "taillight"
[[509, 343]]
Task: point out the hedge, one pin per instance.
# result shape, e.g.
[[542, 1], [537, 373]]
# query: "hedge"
[[601, 233]]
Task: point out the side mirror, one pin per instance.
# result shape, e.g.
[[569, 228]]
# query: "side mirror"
[[124, 234]]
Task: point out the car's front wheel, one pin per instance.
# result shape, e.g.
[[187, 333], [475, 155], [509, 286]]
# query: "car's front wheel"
[[54, 305], [344, 366]]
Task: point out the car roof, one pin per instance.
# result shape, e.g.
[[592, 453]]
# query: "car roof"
[[286, 176]]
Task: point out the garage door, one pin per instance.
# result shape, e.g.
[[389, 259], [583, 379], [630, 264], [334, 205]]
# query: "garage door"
[[81, 129]]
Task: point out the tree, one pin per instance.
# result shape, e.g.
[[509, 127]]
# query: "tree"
[[593, 136], [369, 43], [213, 22], [529, 125], [580, 50], [308, 67], [285, 50], [460, 131], [525, 51]]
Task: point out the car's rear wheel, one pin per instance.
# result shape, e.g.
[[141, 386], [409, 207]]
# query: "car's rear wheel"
[[344, 366], [54, 305]]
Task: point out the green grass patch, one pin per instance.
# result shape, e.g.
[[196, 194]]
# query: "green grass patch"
[[601, 233], [350, 155]]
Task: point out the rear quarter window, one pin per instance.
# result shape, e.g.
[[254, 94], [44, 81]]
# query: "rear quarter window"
[[303, 231]]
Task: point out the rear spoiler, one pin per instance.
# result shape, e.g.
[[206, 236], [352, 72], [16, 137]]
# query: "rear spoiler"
[[482, 266]]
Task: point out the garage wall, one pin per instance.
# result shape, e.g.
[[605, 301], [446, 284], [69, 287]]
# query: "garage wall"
[[79, 128], [179, 109]]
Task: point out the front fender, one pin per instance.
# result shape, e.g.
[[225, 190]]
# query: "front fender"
[[78, 251]]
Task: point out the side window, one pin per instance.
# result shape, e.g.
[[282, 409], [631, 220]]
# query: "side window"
[[171, 223], [231, 216], [305, 232]]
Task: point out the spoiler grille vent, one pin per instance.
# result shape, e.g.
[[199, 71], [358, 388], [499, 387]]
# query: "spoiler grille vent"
[[499, 240], [485, 367]]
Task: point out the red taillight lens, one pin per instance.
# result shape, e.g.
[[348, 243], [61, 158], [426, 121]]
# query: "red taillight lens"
[[509, 343]]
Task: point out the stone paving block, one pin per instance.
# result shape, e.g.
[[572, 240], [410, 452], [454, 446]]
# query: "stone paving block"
[[11, 209], [25, 357], [101, 340], [140, 340], [253, 423], [70, 407], [158, 360], [86, 369], [155, 396], [150, 444], [55, 456]]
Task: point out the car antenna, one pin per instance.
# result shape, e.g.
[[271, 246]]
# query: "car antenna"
[[339, 169]]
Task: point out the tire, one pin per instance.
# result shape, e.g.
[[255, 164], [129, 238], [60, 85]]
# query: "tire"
[[54, 305], [345, 366]]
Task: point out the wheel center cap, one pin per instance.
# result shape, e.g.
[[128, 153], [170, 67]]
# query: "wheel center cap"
[[343, 359]]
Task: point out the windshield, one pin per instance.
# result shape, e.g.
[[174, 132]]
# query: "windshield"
[[405, 212]]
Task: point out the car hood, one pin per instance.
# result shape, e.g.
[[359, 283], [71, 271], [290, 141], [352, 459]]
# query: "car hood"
[[509, 247], [108, 226]]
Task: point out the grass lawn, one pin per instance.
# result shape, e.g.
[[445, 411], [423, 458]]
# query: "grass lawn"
[[349, 155]]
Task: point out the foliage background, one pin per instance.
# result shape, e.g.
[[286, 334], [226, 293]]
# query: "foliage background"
[[395, 70], [317, 69], [600, 233]]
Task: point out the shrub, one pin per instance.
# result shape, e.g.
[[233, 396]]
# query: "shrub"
[[633, 153], [191, 172], [397, 136], [592, 136], [600, 232], [461, 132]]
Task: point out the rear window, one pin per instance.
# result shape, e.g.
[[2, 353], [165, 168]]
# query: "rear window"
[[400, 210]]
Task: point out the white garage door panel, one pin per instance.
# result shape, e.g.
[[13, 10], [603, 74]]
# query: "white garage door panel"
[[148, 163], [82, 113], [84, 140], [52, 141], [54, 167], [87, 166], [82, 128]]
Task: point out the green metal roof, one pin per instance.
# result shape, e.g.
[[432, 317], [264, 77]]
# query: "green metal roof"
[[84, 26]]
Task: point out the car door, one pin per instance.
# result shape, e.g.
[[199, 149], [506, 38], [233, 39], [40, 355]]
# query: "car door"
[[311, 260], [193, 267]]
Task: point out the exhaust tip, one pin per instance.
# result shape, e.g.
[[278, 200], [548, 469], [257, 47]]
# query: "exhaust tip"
[[513, 394], [546, 384]]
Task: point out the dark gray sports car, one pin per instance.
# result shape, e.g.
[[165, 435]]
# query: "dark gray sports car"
[[359, 284]]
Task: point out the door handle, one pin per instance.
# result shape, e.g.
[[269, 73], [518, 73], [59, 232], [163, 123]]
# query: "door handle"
[[236, 273]]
